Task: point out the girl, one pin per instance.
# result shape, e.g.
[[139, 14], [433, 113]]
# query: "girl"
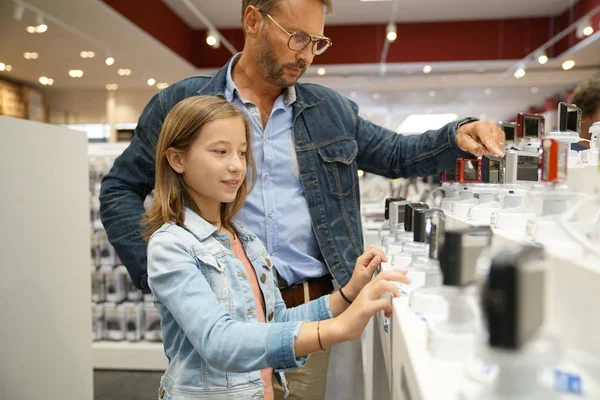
[[224, 323]]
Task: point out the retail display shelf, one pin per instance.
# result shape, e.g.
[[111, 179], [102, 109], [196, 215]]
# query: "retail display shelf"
[[133, 356]]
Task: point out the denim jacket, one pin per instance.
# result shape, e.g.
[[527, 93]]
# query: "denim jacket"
[[214, 342], [332, 143]]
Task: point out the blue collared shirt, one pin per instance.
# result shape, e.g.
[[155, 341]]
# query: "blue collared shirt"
[[276, 209]]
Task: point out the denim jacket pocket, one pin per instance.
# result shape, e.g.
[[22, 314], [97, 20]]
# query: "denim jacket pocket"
[[338, 158], [214, 272]]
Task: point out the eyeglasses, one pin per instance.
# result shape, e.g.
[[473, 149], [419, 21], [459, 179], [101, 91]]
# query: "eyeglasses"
[[299, 40]]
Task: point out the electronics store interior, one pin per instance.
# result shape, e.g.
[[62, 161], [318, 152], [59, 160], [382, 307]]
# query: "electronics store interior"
[[424, 224]]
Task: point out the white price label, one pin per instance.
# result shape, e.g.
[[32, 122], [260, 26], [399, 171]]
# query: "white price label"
[[493, 219], [530, 229]]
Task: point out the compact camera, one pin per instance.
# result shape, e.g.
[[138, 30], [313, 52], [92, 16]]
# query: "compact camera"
[[513, 296]]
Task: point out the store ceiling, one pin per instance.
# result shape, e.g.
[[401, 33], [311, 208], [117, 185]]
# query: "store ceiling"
[[404, 89], [227, 13]]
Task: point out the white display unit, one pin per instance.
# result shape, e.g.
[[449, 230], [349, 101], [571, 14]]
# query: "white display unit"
[[572, 279], [45, 287], [138, 356]]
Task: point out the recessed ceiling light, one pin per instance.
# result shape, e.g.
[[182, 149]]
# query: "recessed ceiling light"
[[109, 61], [321, 71], [5, 67], [151, 82], [87, 54], [427, 69], [432, 93], [567, 65], [31, 55], [535, 90], [75, 73], [124, 72], [44, 80], [31, 29], [519, 73], [488, 91], [112, 86], [376, 96]]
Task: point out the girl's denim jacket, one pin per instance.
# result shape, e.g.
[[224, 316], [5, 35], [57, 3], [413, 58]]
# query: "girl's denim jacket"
[[212, 337]]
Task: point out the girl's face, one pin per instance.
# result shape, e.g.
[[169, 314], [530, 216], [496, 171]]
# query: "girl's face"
[[214, 167]]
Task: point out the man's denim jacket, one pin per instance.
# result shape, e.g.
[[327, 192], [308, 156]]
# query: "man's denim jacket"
[[332, 143], [214, 342]]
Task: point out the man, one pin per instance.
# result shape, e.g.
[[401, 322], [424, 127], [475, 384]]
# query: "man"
[[587, 97], [309, 143]]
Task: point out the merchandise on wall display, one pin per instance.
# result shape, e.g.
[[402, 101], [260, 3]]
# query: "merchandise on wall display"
[[114, 321], [135, 321], [152, 330], [118, 307], [97, 321]]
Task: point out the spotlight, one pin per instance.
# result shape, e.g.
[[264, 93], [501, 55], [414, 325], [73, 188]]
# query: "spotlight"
[[519, 73], [109, 61], [584, 28], [427, 69], [321, 71], [19, 11], [543, 58], [41, 26], [567, 65], [212, 39], [151, 82], [391, 32], [112, 86]]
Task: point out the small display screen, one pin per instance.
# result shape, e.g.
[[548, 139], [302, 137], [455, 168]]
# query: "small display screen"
[[569, 118], [527, 168], [470, 170], [509, 132], [572, 121], [531, 127]]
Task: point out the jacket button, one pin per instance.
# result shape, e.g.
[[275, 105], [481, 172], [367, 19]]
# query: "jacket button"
[[271, 316], [268, 263], [263, 277], [161, 392]]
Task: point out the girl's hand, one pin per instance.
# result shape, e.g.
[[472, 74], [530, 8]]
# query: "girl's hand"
[[352, 322], [364, 269]]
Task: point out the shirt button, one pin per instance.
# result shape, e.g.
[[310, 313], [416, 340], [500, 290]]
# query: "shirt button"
[[266, 140], [271, 214], [263, 278], [161, 393], [271, 316], [253, 110], [272, 252], [267, 175], [269, 261], [250, 312]]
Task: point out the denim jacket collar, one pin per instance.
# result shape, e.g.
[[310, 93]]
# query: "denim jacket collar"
[[203, 229], [217, 87]]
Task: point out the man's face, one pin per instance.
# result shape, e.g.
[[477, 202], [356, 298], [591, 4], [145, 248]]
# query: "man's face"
[[278, 64]]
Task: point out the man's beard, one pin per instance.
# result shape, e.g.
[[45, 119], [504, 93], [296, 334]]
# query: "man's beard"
[[271, 70]]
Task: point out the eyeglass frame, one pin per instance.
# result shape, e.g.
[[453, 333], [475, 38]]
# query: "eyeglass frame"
[[313, 38]]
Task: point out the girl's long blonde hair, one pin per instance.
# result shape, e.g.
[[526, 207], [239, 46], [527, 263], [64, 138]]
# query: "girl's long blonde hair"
[[180, 128]]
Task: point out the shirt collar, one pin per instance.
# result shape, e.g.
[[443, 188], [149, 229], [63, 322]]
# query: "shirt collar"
[[231, 91], [204, 229]]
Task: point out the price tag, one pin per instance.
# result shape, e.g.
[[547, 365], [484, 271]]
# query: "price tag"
[[493, 219], [565, 382], [530, 229]]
